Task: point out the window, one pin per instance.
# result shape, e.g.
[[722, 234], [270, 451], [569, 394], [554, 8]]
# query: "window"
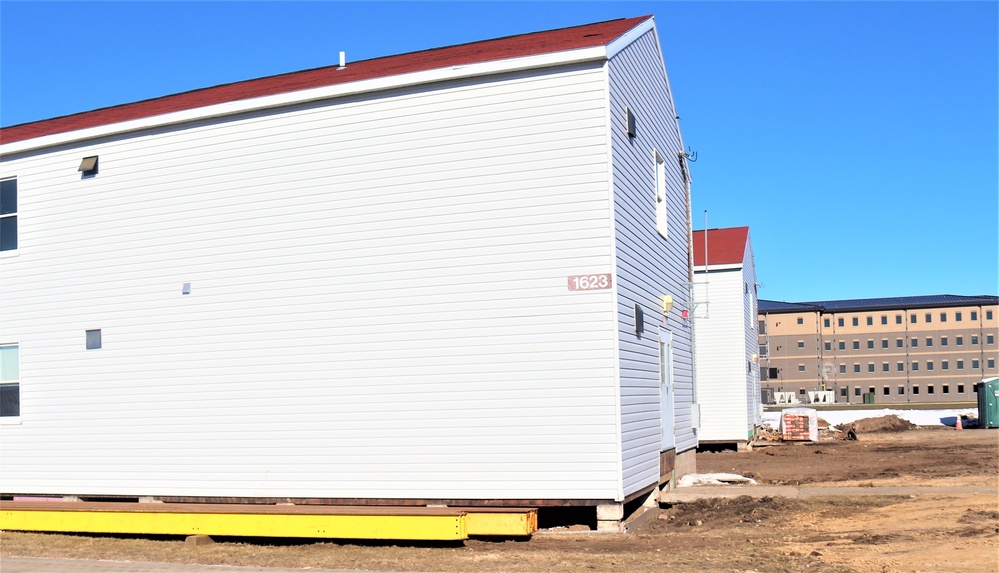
[[828, 346], [974, 315], [914, 343], [93, 339], [944, 388], [10, 381], [960, 364], [898, 342], [662, 205], [974, 364], [929, 341], [856, 321], [856, 368], [884, 367], [988, 315], [974, 339], [929, 365], [915, 366], [8, 215], [915, 390], [801, 344], [957, 316], [886, 391], [992, 363], [870, 344], [870, 367], [801, 320], [960, 388], [842, 368], [801, 391], [801, 368], [840, 322], [943, 341], [943, 317], [871, 389], [870, 321], [959, 341], [842, 392], [884, 343], [826, 322], [842, 345], [856, 391], [901, 367], [856, 345], [898, 319], [944, 365], [884, 319], [762, 328], [929, 389], [990, 339], [901, 390], [764, 351], [912, 319], [929, 317], [772, 373]]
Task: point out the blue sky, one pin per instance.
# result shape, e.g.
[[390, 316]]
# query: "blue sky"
[[857, 140]]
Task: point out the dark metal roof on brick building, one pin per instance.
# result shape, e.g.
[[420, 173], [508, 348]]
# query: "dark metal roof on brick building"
[[862, 304]]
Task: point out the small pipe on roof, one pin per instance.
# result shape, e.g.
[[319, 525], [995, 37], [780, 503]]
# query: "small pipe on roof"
[[343, 60]]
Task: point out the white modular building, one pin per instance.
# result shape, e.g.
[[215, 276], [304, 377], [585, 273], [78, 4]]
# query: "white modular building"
[[437, 277], [725, 336]]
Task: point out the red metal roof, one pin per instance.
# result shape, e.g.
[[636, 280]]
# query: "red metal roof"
[[586, 36], [725, 246]]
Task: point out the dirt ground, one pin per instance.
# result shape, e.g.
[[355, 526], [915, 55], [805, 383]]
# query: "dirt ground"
[[841, 534]]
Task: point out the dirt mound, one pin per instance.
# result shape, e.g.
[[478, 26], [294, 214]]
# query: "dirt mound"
[[890, 423]]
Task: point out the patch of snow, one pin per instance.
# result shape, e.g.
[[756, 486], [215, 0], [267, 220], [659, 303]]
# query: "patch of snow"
[[713, 479], [943, 417]]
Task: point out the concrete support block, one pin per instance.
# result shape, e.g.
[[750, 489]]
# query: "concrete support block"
[[610, 512]]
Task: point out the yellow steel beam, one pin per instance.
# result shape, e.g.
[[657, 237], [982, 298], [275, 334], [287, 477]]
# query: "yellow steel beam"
[[330, 526], [512, 523]]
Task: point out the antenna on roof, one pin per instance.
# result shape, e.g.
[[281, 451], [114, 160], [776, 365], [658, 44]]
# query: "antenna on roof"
[[343, 60]]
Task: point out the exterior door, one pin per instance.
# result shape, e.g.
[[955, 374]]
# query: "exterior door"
[[666, 390]]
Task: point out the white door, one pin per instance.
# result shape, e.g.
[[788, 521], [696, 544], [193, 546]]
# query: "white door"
[[666, 389]]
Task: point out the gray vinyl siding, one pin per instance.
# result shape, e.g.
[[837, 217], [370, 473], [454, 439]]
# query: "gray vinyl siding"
[[378, 307], [648, 266], [750, 327]]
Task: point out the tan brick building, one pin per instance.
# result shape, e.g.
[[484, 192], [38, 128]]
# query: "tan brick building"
[[900, 350]]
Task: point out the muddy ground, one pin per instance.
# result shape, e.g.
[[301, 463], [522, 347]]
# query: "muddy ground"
[[881, 534]]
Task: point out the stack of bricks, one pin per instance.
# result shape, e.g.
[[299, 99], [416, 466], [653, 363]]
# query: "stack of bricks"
[[796, 428]]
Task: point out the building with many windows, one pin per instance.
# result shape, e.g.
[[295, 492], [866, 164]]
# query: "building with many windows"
[[885, 350]]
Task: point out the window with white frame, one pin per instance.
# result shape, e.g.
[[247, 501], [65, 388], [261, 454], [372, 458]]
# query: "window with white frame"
[[10, 381], [662, 205], [8, 214]]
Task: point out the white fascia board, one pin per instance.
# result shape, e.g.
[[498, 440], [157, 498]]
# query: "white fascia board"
[[728, 267], [313, 94], [630, 36]]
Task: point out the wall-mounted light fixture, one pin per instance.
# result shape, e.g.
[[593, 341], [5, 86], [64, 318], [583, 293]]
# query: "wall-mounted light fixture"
[[667, 303], [89, 166], [639, 320]]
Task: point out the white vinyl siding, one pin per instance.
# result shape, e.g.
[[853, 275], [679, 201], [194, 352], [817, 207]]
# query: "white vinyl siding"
[[378, 302], [648, 265], [726, 341], [719, 328]]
